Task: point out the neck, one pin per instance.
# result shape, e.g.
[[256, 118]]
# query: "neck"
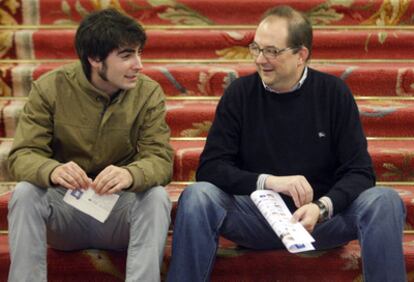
[[290, 85], [102, 85]]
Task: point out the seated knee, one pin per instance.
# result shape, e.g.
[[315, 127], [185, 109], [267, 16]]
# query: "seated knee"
[[385, 199], [158, 195], [26, 193], [197, 194]]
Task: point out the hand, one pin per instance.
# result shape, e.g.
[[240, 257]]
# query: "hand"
[[307, 215], [111, 180], [71, 176], [295, 186]]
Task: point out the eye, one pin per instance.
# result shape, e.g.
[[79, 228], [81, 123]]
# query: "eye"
[[271, 51]]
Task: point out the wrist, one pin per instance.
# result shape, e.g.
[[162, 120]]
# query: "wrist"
[[323, 211]]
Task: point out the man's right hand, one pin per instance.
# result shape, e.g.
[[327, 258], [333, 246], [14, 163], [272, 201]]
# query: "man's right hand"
[[71, 176], [295, 186]]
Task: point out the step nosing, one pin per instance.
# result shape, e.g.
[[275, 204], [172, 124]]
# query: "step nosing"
[[209, 27], [212, 61], [216, 98], [369, 138]]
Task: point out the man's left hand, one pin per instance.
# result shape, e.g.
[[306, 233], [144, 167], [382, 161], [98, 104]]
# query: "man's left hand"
[[307, 215], [111, 180]]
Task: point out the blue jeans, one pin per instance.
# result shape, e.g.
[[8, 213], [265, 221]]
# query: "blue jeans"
[[376, 218]]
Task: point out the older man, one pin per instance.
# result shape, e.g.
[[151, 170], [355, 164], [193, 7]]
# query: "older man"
[[296, 131]]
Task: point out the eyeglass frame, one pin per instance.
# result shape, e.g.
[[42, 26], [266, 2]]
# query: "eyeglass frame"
[[261, 50]]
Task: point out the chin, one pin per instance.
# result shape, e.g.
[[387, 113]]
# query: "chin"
[[129, 86]]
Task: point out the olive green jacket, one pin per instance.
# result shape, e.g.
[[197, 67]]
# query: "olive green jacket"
[[67, 119]]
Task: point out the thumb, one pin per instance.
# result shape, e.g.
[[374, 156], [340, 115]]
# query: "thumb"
[[298, 215]]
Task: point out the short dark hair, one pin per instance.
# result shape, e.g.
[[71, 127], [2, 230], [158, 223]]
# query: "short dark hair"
[[103, 31], [299, 26]]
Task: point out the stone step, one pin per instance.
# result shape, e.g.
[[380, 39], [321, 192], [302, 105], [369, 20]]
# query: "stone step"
[[391, 79], [219, 44], [392, 159], [340, 265], [207, 12], [193, 117], [174, 190]]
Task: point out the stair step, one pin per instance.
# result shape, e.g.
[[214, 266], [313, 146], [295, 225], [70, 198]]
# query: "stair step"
[[174, 190], [193, 118], [391, 79], [221, 44], [207, 12], [392, 159], [339, 265]]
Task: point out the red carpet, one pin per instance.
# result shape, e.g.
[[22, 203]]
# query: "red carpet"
[[193, 118], [208, 12], [391, 79], [393, 159], [223, 44], [375, 39], [232, 264]]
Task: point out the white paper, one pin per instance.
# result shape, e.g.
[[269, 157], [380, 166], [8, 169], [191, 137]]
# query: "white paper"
[[293, 235], [87, 201]]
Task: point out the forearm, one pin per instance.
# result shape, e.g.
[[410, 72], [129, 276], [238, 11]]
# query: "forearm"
[[148, 173], [25, 165]]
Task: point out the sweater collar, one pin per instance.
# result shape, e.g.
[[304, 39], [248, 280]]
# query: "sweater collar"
[[294, 88]]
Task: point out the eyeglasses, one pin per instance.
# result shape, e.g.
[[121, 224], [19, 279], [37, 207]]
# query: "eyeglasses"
[[268, 52]]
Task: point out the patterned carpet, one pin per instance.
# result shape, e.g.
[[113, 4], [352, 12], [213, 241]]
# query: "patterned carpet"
[[195, 50]]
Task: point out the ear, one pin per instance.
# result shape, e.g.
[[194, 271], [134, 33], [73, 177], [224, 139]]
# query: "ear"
[[303, 55], [95, 63]]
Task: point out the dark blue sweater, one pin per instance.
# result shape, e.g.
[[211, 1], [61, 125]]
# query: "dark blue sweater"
[[314, 131]]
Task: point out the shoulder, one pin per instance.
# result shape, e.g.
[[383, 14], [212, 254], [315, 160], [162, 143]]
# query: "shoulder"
[[244, 86], [322, 79], [245, 82], [52, 76], [51, 83]]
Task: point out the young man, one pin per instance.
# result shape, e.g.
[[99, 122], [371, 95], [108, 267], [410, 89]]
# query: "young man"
[[296, 131], [95, 124]]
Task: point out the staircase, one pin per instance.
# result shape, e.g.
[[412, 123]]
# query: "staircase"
[[195, 49]]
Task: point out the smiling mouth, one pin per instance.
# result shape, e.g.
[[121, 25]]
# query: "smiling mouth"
[[131, 77], [267, 70]]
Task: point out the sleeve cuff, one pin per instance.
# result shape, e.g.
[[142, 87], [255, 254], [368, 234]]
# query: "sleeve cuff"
[[260, 184]]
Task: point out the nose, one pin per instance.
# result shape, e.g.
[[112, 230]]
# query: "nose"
[[260, 59], [137, 62]]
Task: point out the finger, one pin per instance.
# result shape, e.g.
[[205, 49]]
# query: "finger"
[[307, 224], [62, 182], [308, 191], [102, 175], [100, 181], [301, 193], [80, 174], [298, 215], [67, 174], [105, 183], [294, 195], [115, 189], [68, 178]]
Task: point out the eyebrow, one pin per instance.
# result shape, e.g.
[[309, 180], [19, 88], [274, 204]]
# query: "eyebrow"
[[268, 46], [126, 50]]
